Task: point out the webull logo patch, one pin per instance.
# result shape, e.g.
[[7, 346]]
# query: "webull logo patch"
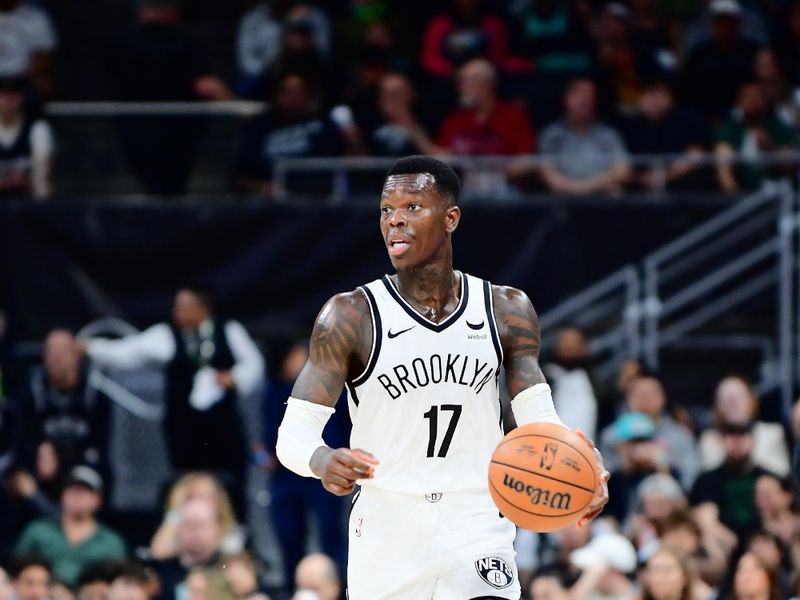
[[539, 496]]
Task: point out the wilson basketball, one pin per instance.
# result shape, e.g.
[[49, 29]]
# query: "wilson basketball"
[[543, 476]]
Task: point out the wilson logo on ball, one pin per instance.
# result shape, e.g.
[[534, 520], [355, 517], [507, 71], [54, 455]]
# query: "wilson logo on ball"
[[539, 496], [495, 571]]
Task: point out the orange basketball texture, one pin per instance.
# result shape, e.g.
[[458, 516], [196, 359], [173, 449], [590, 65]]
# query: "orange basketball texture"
[[543, 476]]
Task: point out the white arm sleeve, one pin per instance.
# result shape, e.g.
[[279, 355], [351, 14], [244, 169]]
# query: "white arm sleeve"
[[152, 346], [248, 372], [300, 434], [535, 404]]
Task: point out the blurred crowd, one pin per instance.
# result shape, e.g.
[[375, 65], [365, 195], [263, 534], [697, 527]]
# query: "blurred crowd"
[[703, 504], [585, 86]]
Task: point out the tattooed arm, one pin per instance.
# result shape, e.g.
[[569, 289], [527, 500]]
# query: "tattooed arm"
[[518, 328], [339, 348]]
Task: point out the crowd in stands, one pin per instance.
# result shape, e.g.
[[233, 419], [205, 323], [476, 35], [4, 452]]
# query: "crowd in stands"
[[600, 82], [703, 504]]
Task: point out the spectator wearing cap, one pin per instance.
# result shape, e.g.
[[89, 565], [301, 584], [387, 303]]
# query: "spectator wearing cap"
[[646, 395], [30, 577], [753, 131], [580, 154], [735, 400], [664, 127], [638, 456], [29, 40], [726, 495], [715, 69], [26, 144], [606, 565], [75, 539]]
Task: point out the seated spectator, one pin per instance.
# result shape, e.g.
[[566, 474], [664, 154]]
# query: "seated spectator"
[[667, 577], [658, 497], [305, 47], [753, 131], [64, 407], [76, 539], [26, 144], [207, 584], [161, 61], [199, 535], [30, 577], [317, 573], [207, 488], [485, 124], [769, 73], [29, 40], [552, 35], [60, 591], [395, 129], [637, 457], [292, 128], [726, 495], [768, 549], [242, 577], [581, 155], [126, 587], [662, 127], [753, 580], [96, 579], [704, 550], [606, 564], [549, 550], [567, 372], [622, 62], [466, 32], [548, 584], [774, 497], [735, 401], [715, 69], [646, 395]]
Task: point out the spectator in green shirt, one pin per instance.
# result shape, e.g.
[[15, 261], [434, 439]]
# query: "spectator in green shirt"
[[753, 131], [75, 539]]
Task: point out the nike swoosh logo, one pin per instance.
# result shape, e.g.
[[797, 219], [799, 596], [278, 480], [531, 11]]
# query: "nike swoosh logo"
[[475, 327], [393, 335]]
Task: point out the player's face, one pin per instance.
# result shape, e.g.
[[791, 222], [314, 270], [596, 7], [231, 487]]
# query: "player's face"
[[416, 222]]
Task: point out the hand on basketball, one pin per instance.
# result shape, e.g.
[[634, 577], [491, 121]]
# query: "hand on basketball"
[[339, 469], [601, 493]]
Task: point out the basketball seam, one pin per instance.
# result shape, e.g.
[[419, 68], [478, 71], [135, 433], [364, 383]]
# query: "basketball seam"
[[530, 512], [580, 487]]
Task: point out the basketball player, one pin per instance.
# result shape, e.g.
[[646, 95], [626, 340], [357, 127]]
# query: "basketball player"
[[420, 354]]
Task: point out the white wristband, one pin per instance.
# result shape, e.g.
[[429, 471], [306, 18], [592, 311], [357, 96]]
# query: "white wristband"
[[535, 405], [300, 434]]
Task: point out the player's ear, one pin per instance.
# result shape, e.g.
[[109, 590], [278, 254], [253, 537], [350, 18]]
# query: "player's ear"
[[452, 216]]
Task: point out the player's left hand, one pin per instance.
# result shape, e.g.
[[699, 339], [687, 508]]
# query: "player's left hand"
[[600, 498]]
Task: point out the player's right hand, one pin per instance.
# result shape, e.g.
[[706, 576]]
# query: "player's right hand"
[[340, 468]]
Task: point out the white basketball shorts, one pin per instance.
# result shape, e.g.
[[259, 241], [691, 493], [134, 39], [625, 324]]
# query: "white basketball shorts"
[[452, 546]]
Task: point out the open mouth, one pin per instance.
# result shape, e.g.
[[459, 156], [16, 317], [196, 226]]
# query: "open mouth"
[[398, 247]]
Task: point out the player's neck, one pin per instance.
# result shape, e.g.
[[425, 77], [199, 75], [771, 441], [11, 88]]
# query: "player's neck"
[[432, 285]]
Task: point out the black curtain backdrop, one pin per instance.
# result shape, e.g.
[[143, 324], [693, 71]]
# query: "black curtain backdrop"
[[273, 267]]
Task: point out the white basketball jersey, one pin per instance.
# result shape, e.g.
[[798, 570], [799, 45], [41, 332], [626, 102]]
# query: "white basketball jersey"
[[427, 404]]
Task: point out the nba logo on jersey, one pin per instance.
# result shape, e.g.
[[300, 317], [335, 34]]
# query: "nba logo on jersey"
[[495, 571]]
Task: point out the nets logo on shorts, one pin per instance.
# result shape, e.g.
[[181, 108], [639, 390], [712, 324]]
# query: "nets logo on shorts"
[[495, 571]]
